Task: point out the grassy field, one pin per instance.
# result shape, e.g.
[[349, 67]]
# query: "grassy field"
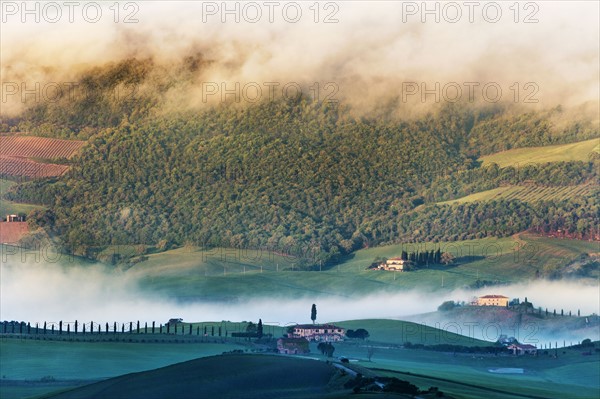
[[9, 207], [463, 376], [569, 375], [32, 360], [231, 376], [527, 194], [71, 363], [565, 152], [227, 274], [398, 332]]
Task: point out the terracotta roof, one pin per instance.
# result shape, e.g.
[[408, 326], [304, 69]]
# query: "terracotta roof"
[[315, 326], [493, 296], [11, 232]]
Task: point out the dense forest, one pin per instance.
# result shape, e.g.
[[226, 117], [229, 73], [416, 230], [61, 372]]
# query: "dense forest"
[[292, 175]]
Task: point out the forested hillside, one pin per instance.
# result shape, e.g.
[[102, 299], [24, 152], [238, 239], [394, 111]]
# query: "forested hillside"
[[293, 175]]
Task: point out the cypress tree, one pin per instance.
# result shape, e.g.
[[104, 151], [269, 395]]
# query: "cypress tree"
[[259, 329]]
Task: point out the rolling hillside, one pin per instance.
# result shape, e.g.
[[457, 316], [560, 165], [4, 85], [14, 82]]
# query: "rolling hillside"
[[292, 174], [580, 151], [229, 274], [528, 194], [230, 376], [533, 327], [258, 376]]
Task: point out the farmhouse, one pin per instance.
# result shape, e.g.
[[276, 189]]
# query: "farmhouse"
[[395, 264], [292, 346], [492, 300], [15, 218], [519, 349], [319, 332]]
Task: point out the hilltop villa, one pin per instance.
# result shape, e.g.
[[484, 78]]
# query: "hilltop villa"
[[492, 300], [394, 264], [319, 332]]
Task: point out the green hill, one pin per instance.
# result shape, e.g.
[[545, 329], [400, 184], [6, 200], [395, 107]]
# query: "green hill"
[[580, 151], [228, 376], [223, 274], [291, 175], [398, 332], [534, 327], [10, 207], [527, 194]]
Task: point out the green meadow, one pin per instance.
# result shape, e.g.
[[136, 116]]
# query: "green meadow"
[[229, 274], [462, 376], [9, 207], [579, 151], [526, 194], [24, 363], [569, 375]]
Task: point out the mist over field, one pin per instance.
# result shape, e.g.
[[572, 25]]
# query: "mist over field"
[[39, 291]]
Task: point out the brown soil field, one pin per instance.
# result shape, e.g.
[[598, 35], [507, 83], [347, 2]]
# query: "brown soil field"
[[38, 147], [17, 166]]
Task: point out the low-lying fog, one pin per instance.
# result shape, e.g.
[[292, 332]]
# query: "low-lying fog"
[[39, 292]]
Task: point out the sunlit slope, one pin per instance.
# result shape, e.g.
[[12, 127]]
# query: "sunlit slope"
[[579, 151], [190, 274], [527, 193]]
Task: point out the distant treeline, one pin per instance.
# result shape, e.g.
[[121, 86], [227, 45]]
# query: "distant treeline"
[[497, 349]]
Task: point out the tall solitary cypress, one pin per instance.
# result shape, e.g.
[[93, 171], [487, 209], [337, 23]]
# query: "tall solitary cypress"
[[313, 313], [259, 329]]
